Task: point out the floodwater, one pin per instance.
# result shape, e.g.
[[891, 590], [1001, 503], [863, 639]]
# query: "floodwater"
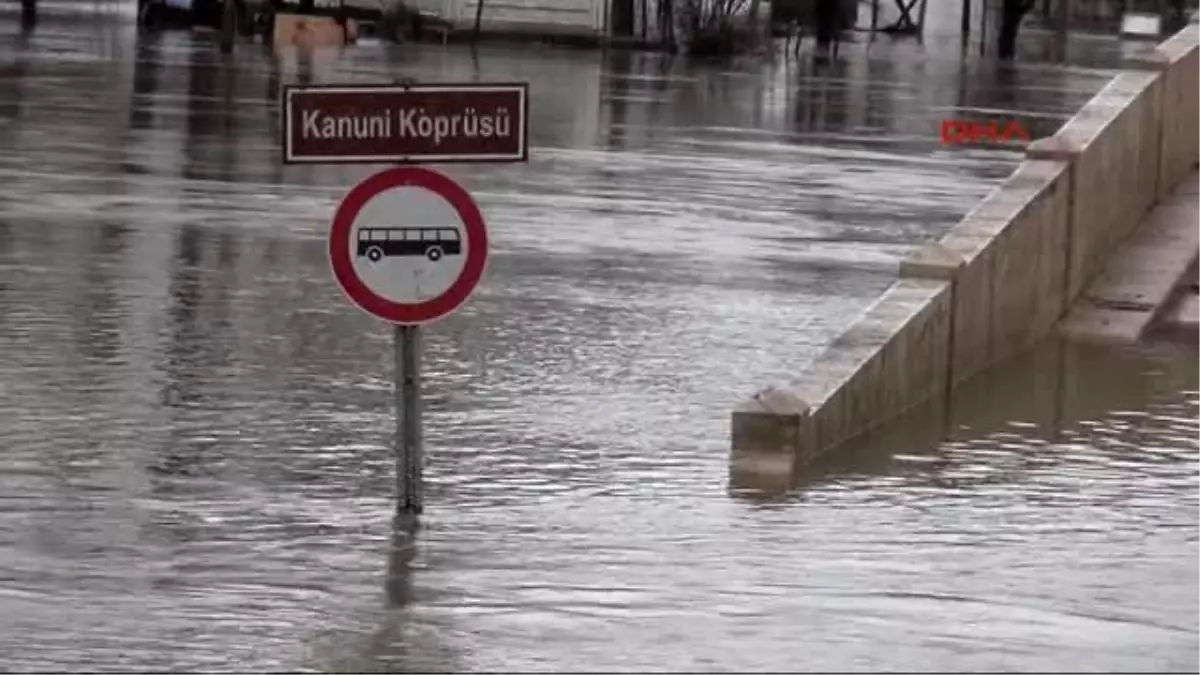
[[195, 470]]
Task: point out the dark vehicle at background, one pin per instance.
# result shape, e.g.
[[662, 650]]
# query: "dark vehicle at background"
[[804, 12], [255, 17]]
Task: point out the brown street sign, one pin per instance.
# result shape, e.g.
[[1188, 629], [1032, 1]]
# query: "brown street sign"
[[402, 124]]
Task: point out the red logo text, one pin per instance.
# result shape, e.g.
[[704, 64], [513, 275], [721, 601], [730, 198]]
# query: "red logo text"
[[957, 132]]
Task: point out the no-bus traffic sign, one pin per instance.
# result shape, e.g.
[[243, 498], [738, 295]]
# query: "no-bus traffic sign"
[[408, 245]]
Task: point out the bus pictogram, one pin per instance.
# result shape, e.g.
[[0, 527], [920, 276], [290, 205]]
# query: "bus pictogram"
[[377, 243]]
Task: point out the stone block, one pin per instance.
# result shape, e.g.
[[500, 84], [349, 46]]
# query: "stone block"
[[933, 261], [766, 433]]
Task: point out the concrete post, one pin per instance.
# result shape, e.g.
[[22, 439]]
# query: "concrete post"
[[768, 436]]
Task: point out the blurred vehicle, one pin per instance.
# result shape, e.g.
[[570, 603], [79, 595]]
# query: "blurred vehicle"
[[788, 15], [256, 17]]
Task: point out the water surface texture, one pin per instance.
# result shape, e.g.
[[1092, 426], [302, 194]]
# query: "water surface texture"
[[195, 470]]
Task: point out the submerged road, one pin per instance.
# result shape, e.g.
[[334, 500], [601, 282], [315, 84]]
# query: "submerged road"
[[194, 425]]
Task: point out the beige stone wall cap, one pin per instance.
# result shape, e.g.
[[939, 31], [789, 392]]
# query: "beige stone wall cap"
[[1054, 147], [1152, 59], [781, 402]]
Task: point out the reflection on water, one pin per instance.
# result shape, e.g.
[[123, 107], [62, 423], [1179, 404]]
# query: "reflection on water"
[[195, 427]]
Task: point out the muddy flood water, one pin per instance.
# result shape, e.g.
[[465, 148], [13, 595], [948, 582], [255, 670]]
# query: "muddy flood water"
[[195, 472]]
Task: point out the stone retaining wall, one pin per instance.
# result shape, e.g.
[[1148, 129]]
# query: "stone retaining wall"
[[1002, 277]]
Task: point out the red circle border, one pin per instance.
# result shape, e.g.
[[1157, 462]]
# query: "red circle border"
[[342, 262]]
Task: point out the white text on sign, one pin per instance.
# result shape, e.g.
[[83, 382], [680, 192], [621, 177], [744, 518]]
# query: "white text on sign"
[[409, 123]]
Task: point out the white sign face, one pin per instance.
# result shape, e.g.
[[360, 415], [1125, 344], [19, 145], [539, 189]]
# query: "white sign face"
[[408, 245]]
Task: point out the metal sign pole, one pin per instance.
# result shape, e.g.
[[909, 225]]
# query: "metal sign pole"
[[229, 27], [966, 22], [407, 372]]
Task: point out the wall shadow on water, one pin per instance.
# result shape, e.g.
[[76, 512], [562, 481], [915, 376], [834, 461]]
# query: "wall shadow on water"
[[147, 69], [13, 78], [98, 313], [199, 323], [660, 68], [1053, 394], [9, 283], [615, 90], [210, 145], [821, 102]]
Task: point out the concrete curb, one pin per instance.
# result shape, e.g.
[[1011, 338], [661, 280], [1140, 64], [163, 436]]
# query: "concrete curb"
[[1142, 275], [891, 359], [1003, 277]]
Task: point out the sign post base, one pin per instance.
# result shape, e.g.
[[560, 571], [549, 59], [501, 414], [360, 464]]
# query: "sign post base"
[[410, 496]]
